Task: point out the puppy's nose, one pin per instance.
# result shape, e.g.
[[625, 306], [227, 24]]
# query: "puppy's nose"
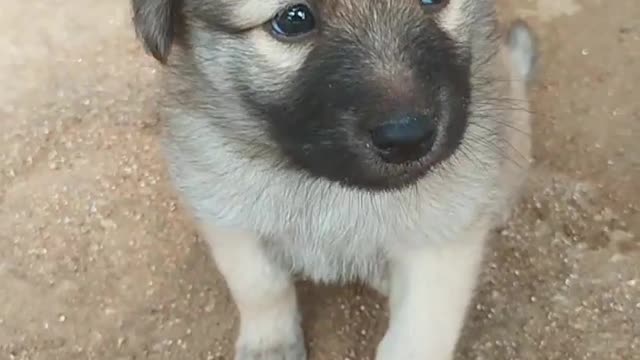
[[404, 138]]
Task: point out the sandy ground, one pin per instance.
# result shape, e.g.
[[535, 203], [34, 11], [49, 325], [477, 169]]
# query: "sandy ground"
[[97, 260]]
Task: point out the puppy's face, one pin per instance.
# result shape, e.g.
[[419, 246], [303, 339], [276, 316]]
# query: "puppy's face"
[[371, 94]]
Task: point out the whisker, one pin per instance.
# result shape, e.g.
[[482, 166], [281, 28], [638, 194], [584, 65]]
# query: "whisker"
[[474, 122]]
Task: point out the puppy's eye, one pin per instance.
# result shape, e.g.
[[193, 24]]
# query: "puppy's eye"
[[293, 21], [434, 5]]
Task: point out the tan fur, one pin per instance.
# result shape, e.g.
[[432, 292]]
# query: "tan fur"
[[283, 58], [454, 19], [250, 13]]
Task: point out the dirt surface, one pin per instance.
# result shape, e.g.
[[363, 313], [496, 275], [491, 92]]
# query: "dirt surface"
[[98, 261]]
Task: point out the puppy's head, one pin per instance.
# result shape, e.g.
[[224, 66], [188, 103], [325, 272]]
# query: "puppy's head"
[[370, 94]]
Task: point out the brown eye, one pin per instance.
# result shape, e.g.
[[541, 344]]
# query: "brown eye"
[[434, 5]]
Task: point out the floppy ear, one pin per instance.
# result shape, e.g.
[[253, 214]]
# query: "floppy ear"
[[155, 24]]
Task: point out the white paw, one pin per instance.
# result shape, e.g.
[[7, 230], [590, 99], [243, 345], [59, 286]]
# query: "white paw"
[[288, 349], [387, 351]]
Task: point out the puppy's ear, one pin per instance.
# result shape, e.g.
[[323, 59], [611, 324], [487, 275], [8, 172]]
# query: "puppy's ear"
[[155, 22]]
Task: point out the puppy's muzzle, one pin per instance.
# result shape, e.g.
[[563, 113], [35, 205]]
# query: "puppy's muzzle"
[[404, 138]]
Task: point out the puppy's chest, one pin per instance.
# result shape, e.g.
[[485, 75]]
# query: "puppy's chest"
[[349, 241], [329, 257], [339, 236]]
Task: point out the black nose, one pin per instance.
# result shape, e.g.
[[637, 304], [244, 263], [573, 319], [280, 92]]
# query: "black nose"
[[405, 138]]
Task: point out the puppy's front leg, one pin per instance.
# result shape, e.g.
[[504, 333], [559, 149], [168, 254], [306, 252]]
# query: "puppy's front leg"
[[265, 296], [430, 292]]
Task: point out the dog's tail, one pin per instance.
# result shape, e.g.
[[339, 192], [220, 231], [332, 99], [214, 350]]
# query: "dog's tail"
[[523, 49]]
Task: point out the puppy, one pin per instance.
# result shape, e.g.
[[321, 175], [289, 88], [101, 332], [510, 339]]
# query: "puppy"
[[344, 140]]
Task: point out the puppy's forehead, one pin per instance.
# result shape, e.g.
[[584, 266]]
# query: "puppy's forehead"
[[247, 13], [361, 15]]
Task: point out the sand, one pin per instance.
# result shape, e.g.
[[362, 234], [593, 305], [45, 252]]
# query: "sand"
[[99, 261]]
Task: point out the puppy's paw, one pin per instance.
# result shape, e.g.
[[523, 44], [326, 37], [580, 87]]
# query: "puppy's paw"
[[295, 351], [284, 349], [409, 350]]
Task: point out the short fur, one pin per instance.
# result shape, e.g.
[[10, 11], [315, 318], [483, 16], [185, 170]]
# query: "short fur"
[[266, 141]]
